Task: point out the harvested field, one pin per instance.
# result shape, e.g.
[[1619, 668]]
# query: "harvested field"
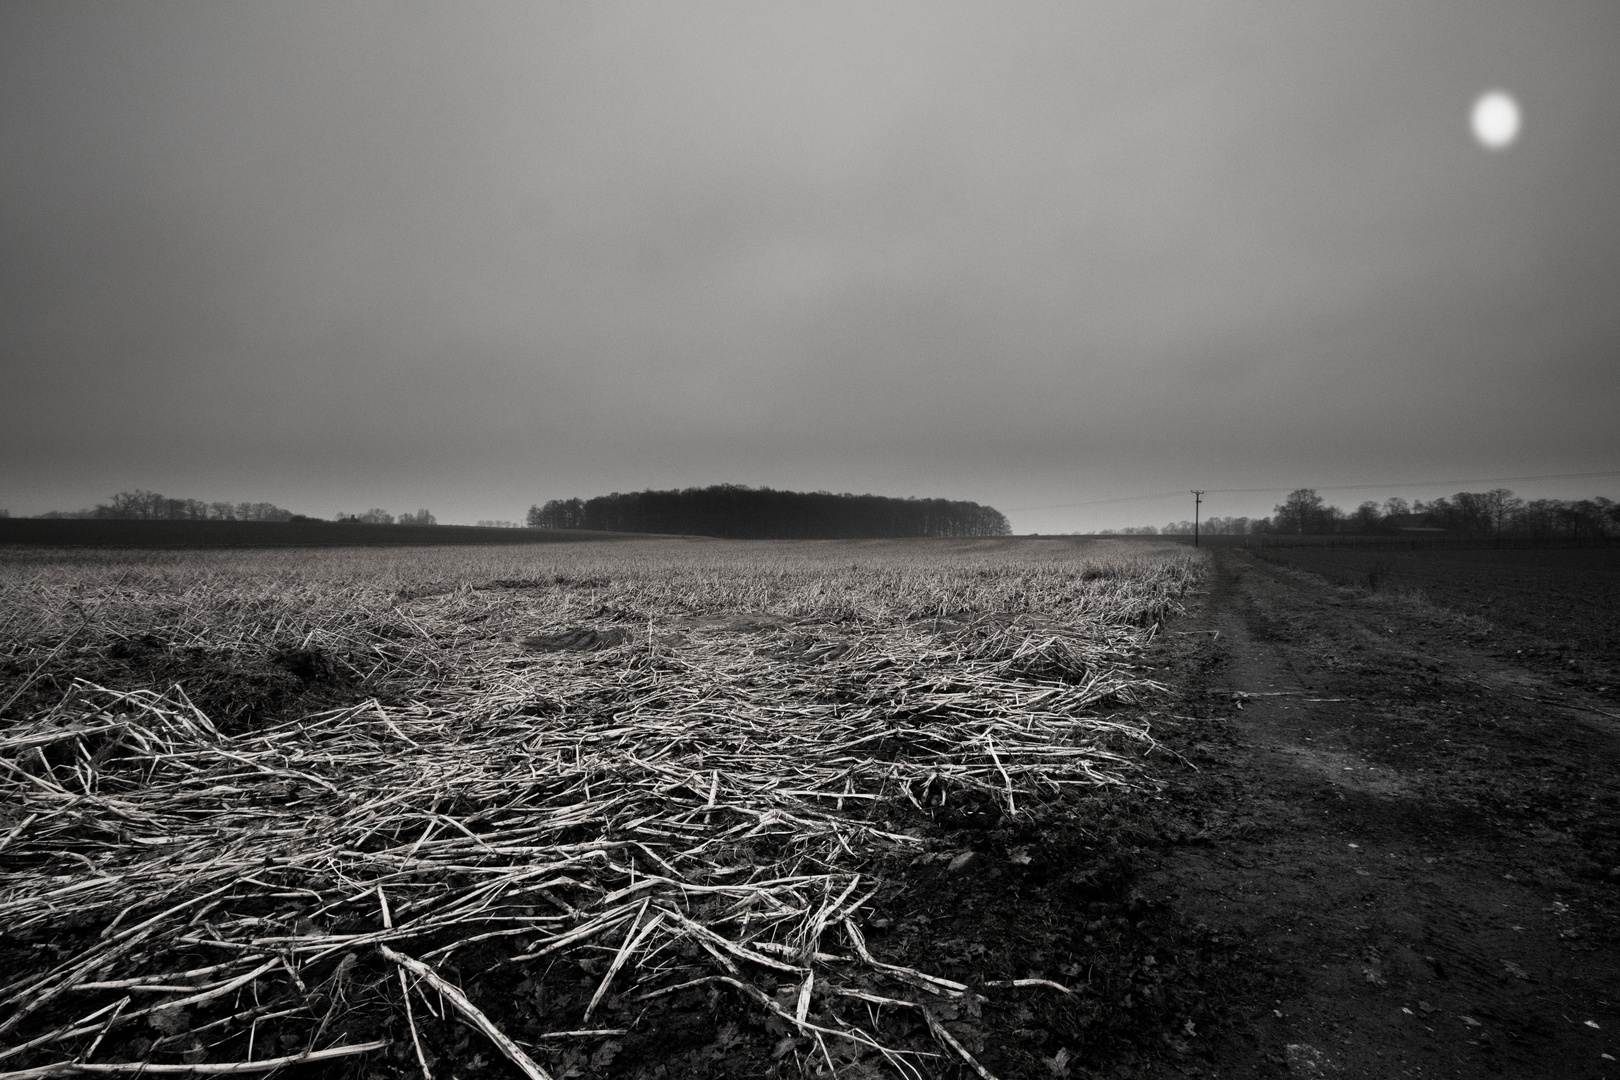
[[135, 533], [1554, 608], [650, 809], [1408, 821]]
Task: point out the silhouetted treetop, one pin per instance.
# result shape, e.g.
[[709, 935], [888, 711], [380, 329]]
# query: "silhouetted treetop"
[[1497, 512], [735, 511], [142, 505]]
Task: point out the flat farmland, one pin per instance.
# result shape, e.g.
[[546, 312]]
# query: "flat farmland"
[[648, 809], [1559, 608], [1404, 810]]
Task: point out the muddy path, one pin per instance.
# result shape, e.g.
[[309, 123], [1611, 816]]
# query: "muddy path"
[[1411, 842]]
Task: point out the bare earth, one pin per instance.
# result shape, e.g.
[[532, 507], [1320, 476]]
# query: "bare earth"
[[1384, 839], [1408, 837]]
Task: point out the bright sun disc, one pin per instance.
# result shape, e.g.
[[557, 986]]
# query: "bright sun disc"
[[1496, 120]]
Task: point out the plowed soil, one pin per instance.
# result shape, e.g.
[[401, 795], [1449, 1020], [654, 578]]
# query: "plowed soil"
[[1382, 840], [1405, 816]]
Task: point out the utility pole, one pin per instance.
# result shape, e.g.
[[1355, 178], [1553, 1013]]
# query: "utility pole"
[[1198, 499]]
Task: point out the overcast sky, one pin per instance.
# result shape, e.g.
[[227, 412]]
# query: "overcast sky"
[[474, 256]]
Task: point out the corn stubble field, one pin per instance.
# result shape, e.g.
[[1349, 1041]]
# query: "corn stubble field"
[[658, 808]]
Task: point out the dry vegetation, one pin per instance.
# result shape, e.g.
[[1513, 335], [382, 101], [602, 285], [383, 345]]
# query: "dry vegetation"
[[278, 807]]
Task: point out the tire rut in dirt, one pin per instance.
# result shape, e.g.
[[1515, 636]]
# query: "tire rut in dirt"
[[1452, 924]]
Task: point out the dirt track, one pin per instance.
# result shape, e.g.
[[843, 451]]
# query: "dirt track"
[[1410, 837]]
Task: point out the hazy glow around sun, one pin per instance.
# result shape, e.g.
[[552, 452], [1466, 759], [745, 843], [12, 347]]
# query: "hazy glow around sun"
[[1496, 120]]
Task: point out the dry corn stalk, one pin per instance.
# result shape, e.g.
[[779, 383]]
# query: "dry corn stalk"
[[720, 783]]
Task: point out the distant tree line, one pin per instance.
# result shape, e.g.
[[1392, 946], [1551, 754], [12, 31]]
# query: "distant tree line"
[[1497, 512], [739, 512], [141, 505], [376, 516]]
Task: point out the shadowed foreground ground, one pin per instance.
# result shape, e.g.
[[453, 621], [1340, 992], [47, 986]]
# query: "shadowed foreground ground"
[[1407, 823]]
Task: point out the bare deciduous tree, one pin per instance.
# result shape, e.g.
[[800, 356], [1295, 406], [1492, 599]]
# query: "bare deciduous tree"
[[1303, 512]]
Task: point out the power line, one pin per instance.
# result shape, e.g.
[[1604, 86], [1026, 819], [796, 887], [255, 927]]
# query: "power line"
[[1328, 487], [1424, 483], [1099, 502]]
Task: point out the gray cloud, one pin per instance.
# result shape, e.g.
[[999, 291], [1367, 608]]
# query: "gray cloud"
[[478, 256]]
